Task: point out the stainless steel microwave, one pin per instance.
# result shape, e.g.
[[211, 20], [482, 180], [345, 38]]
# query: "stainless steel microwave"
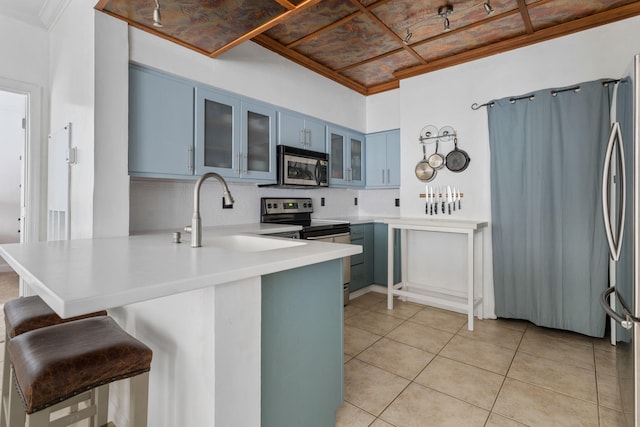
[[298, 167]]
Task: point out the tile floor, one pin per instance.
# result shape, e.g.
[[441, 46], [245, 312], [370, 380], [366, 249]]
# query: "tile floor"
[[420, 366]]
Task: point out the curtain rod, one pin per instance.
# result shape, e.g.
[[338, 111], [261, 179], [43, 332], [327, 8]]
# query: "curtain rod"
[[554, 92]]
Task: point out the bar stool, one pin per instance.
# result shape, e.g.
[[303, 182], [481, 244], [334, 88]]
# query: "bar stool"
[[23, 315], [62, 365]]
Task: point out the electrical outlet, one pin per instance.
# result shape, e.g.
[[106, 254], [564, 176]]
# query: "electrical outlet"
[[321, 201], [355, 201], [397, 203], [225, 206]]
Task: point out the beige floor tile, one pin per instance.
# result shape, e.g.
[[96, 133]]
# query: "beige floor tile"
[[351, 310], [609, 392], [537, 406], [611, 418], [496, 420], [422, 406], [606, 363], [517, 324], [420, 336], [494, 333], [479, 354], [370, 388], [462, 381], [348, 415], [376, 323], [568, 336], [401, 309], [367, 300], [557, 349], [444, 320], [396, 357], [380, 423], [603, 344], [346, 358], [356, 340], [557, 376]]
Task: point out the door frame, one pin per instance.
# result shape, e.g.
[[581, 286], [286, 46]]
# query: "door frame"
[[34, 171]]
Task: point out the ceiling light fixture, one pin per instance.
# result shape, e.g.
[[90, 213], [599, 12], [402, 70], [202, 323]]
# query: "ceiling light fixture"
[[157, 19], [444, 12], [407, 37], [487, 7]]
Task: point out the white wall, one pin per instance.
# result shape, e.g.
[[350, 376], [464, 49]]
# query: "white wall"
[[72, 100], [444, 98]]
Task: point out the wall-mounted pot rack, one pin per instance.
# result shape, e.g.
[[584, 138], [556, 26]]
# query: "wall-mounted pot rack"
[[430, 134]]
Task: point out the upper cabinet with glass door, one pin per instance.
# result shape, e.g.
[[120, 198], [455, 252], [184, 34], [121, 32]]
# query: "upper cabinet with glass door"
[[234, 138], [346, 155]]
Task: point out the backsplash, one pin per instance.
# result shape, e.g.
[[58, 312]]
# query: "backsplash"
[[168, 205]]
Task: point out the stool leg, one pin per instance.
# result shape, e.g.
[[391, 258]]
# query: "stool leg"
[[101, 401], [6, 372], [17, 415], [39, 419], [139, 395]]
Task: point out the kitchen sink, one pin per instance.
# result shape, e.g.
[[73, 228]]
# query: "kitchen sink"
[[246, 243]]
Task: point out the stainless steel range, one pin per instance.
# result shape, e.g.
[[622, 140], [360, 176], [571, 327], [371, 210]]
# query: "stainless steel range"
[[297, 211]]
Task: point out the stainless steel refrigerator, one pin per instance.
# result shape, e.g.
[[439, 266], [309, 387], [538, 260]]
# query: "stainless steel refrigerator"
[[621, 209]]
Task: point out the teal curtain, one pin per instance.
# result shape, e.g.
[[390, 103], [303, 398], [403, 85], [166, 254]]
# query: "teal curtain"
[[550, 255]]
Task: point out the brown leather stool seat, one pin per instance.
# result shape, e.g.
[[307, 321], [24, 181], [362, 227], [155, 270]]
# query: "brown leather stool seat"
[[55, 363], [28, 313], [23, 315]]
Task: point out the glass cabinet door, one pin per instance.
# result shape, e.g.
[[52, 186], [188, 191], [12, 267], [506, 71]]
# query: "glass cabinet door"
[[356, 160], [337, 156], [258, 142], [217, 136]]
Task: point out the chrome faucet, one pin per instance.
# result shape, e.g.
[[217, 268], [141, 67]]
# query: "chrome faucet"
[[196, 221]]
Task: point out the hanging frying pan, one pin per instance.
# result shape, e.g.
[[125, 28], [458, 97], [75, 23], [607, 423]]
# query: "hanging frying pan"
[[424, 172], [457, 160], [436, 160]]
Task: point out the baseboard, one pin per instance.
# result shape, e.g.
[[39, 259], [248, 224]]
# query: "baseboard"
[[366, 290]]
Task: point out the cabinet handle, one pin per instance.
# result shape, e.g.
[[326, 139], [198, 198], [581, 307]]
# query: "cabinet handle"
[[382, 175], [308, 137], [303, 137], [190, 159], [238, 163], [388, 177], [246, 164]]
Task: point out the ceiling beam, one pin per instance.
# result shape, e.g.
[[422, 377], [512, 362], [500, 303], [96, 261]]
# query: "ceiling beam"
[[524, 13], [324, 29], [264, 27]]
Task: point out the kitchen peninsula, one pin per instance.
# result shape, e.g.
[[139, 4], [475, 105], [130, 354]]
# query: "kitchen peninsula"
[[246, 330]]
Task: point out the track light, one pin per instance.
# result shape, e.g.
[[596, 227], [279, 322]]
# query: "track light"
[[157, 19], [407, 38], [487, 7], [444, 12]]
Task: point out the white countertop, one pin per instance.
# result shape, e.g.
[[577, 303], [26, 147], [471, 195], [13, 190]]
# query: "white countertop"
[[85, 275], [435, 223]]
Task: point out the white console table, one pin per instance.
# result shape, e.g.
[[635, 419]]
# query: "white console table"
[[465, 302]]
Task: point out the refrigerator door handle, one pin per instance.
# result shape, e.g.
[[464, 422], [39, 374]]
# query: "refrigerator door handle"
[[627, 321], [615, 141]]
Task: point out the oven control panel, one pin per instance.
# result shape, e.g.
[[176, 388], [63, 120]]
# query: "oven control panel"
[[277, 205]]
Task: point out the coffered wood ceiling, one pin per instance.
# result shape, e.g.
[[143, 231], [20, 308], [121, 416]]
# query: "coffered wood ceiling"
[[361, 43]]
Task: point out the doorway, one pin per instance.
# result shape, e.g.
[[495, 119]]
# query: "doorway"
[[13, 113]]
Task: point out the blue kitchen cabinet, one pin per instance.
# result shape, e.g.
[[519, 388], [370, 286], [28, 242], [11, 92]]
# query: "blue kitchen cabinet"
[[362, 264], [302, 346], [346, 157], [381, 256], [234, 137], [383, 159], [160, 125], [296, 130]]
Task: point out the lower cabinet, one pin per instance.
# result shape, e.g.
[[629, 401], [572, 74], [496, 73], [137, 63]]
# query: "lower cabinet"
[[370, 267]]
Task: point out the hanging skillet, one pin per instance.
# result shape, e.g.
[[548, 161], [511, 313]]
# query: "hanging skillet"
[[457, 160], [424, 172], [436, 160]]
